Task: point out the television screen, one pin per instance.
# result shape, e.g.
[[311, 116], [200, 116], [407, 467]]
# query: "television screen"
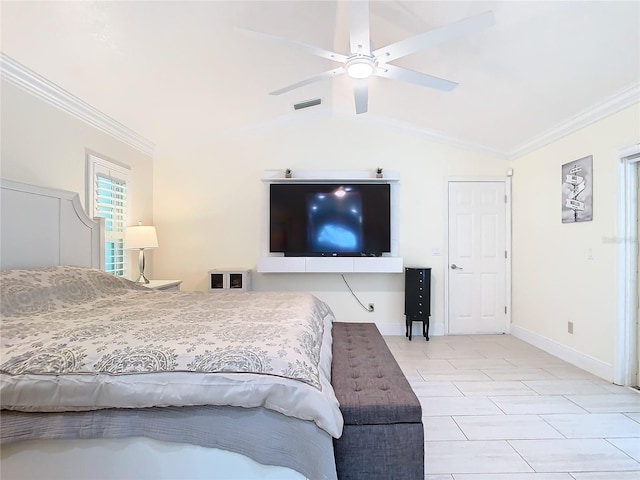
[[330, 219]]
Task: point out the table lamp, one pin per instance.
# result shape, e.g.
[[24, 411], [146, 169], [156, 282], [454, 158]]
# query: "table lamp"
[[141, 237]]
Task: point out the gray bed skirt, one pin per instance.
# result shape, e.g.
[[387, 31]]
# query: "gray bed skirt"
[[261, 434]]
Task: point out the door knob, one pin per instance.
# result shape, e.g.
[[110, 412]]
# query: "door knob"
[[455, 267]]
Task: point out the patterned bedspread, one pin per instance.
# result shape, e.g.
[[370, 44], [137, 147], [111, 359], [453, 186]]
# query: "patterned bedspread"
[[79, 339]]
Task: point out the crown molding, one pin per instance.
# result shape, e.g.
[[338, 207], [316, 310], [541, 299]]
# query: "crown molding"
[[22, 77], [626, 98]]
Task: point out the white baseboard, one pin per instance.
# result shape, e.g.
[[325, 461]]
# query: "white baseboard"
[[568, 354]]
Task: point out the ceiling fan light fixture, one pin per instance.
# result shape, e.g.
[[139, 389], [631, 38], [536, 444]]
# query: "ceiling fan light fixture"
[[360, 66]]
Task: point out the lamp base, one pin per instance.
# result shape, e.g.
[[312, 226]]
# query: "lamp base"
[[142, 279]]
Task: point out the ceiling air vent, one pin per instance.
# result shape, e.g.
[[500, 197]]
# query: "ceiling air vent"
[[307, 104]]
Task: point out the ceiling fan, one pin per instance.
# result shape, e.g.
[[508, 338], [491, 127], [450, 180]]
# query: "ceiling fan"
[[362, 61]]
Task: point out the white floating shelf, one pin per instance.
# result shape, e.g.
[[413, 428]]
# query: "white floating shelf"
[[330, 265]]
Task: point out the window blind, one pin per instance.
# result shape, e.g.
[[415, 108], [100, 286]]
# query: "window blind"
[[109, 198], [111, 204]]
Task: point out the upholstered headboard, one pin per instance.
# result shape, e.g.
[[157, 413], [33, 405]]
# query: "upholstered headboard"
[[42, 227]]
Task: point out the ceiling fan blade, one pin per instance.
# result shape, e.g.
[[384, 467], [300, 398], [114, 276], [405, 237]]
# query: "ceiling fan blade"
[[321, 76], [361, 94], [434, 37], [422, 79], [320, 52], [360, 41]]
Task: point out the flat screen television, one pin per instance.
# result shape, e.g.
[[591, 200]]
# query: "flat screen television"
[[330, 219]]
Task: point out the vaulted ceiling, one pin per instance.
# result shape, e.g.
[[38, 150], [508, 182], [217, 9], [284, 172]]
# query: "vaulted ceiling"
[[180, 71]]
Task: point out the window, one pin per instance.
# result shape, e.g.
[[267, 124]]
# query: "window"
[[108, 193]]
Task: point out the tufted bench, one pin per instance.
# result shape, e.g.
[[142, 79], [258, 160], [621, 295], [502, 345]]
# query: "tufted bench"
[[383, 434]]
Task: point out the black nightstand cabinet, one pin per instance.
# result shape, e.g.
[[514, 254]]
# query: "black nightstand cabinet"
[[417, 298]]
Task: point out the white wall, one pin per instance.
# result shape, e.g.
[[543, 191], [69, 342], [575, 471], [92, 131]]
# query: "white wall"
[[43, 145], [554, 280], [208, 206]]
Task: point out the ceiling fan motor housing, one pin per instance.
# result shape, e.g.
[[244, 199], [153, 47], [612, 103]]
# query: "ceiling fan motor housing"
[[359, 65]]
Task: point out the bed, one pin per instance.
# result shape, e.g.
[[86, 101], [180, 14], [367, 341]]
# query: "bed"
[[103, 378]]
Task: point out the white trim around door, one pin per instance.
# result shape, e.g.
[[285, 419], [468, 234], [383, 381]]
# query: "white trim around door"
[[507, 282], [626, 338]]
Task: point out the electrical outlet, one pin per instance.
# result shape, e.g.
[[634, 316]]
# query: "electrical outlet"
[[570, 327], [372, 307]]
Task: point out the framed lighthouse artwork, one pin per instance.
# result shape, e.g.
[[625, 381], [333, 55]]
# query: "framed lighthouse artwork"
[[577, 191]]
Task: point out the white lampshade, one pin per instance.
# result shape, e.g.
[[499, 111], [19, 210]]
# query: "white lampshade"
[[140, 236]]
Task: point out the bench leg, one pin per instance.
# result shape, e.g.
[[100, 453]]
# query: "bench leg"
[[408, 330]]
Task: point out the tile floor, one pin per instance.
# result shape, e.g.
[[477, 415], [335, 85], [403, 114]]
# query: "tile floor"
[[497, 408]]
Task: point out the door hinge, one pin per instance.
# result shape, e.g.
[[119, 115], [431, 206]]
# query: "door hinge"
[[505, 254], [505, 199], [505, 309]]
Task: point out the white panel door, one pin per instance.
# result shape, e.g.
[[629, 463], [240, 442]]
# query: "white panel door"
[[477, 258]]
